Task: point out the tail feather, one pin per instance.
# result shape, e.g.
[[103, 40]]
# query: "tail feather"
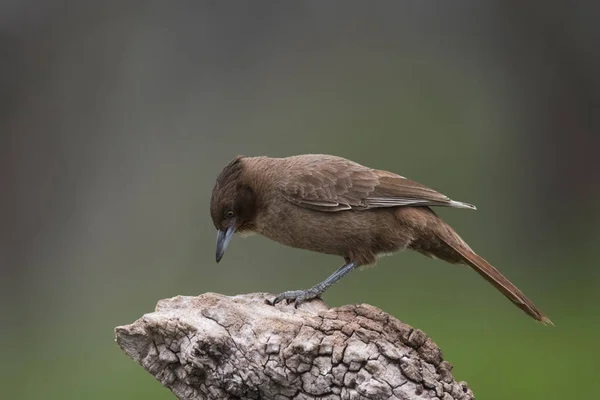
[[494, 276]]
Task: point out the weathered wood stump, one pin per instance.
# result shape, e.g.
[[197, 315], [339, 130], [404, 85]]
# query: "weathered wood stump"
[[237, 347]]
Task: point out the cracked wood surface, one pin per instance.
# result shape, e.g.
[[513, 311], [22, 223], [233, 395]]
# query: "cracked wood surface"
[[237, 347]]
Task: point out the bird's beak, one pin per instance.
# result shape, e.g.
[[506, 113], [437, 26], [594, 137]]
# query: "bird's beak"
[[223, 238]]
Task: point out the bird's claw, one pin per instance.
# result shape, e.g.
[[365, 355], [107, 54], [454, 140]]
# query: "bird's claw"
[[296, 296]]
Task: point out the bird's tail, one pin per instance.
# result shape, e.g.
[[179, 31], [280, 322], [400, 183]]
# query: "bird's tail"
[[455, 250]]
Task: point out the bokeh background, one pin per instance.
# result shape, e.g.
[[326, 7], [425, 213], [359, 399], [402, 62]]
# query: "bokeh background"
[[116, 117]]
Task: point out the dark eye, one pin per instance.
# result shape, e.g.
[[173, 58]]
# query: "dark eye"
[[229, 214]]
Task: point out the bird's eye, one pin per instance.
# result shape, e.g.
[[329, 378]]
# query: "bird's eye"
[[229, 214]]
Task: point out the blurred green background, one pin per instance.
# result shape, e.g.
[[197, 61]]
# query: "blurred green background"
[[116, 117]]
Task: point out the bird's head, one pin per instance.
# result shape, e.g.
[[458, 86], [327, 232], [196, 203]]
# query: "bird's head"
[[233, 205]]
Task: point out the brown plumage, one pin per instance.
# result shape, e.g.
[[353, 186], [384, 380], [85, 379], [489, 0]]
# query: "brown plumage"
[[335, 206]]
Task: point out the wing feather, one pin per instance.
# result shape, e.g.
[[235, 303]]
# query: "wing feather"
[[329, 183]]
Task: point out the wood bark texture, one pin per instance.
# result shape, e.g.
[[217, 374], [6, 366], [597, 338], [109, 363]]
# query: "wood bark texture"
[[237, 347]]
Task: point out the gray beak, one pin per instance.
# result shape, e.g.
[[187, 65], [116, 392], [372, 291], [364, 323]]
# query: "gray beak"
[[223, 238]]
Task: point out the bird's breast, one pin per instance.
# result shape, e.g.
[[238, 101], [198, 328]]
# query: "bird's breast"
[[343, 233]]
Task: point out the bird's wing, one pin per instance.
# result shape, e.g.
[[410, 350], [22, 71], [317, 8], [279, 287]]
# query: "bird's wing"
[[330, 183]]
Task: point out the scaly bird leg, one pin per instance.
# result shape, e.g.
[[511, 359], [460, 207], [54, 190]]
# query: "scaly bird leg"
[[300, 296]]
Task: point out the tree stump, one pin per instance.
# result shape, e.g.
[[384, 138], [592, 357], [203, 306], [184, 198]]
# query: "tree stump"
[[237, 347]]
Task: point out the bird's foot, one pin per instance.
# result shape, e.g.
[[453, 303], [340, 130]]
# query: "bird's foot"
[[296, 296]]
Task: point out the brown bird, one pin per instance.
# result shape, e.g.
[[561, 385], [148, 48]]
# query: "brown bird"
[[335, 206]]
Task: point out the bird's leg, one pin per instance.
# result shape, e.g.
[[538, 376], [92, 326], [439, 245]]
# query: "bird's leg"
[[300, 296]]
